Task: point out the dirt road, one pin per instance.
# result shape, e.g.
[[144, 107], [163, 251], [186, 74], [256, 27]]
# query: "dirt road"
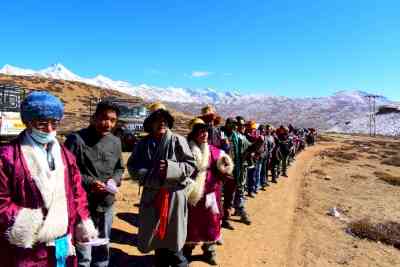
[[268, 241]]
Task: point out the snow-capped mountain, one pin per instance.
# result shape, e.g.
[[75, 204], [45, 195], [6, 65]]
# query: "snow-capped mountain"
[[386, 124], [150, 93], [321, 112]]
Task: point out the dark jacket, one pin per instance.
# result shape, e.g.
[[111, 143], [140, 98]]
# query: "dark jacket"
[[98, 158]]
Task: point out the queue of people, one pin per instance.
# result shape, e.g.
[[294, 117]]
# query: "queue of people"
[[57, 200]]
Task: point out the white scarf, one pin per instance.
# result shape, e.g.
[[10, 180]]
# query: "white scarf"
[[51, 184], [202, 156]]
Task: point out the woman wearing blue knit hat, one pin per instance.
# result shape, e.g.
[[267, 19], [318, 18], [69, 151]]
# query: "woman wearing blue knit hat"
[[43, 207]]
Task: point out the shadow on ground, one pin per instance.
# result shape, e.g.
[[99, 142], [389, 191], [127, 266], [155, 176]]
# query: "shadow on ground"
[[131, 218], [123, 238], [121, 259]]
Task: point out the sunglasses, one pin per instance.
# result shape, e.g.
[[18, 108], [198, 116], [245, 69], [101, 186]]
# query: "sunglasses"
[[44, 124]]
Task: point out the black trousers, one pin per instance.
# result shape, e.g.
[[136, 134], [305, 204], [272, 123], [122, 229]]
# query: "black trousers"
[[167, 258]]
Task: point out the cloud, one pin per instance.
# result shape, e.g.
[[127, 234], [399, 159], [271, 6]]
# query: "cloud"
[[198, 74], [228, 74]]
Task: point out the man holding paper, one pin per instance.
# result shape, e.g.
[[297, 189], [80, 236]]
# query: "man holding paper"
[[98, 154]]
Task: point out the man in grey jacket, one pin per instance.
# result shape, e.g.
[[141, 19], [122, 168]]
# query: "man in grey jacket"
[[98, 155], [163, 163]]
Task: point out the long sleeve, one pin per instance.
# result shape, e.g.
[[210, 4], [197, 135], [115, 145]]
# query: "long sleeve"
[[19, 224], [119, 167], [74, 145], [85, 229], [185, 164], [136, 165]]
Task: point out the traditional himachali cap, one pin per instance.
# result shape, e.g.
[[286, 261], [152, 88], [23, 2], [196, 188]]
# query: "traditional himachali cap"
[[240, 121], [195, 121], [252, 125], [155, 106], [157, 110], [231, 121], [196, 125], [41, 105], [208, 110]]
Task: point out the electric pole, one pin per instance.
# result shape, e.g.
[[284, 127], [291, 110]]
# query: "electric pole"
[[372, 114]]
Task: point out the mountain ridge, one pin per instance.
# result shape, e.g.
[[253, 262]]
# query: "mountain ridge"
[[320, 112], [154, 93]]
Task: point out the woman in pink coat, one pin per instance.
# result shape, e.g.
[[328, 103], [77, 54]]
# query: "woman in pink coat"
[[43, 207], [204, 197]]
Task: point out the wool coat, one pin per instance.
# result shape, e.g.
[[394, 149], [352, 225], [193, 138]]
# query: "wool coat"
[[205, 211], [22, 210], [143, 165]]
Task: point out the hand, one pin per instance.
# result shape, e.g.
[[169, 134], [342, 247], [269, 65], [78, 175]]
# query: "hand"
[[162, 167], [98, 187]]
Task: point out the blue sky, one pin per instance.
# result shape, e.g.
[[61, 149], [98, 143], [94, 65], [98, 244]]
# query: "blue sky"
[[290, 48]]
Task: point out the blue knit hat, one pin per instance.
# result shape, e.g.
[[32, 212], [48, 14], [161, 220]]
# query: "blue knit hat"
[[41, 105]]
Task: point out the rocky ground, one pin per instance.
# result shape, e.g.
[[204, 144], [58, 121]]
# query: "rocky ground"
[[291, 226]]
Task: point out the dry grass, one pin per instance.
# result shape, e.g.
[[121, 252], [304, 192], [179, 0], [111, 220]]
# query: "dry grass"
[[387, 233], [324, 138], [394, 145], [379, 143], [393, 161], [358, 177], [390, 152], [366, 165], [339, 155], [318, 172], [340, 160], [388, 178], [346, 148], [346, 156], [373, 157]]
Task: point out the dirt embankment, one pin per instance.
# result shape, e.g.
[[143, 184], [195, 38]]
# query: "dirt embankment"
[[264, 243], [290, 222]]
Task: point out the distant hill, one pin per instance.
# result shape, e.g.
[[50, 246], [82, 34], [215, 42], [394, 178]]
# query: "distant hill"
[[76, 97], [319, 112], [387, 123]]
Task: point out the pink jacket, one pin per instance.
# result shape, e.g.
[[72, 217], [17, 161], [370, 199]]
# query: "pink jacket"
[[18, 192]]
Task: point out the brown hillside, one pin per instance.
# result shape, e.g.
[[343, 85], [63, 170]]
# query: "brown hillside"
[[76, 97]]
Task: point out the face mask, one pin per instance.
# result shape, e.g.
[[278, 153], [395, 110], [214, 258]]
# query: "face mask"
[[43, 137]]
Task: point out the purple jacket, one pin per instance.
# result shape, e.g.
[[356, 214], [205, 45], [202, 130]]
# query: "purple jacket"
[[18, 191]]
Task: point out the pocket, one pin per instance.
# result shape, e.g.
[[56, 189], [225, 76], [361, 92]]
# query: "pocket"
[[107, 159]]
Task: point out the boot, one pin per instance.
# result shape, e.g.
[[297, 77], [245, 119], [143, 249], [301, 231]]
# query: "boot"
[[187, 252], [237, 213], [244, 218], [263, 187], [210, 257], [226, 224]]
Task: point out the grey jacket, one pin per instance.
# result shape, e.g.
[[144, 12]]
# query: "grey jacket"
[[181, 165], [98, 158]]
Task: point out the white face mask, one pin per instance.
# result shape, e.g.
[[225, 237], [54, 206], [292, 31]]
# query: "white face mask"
[[43, 137]]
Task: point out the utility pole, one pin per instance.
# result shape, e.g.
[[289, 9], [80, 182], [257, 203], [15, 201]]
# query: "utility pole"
[[372, 114]]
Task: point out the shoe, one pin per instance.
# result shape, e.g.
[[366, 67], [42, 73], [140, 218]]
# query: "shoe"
[[210, 258], [285, 175], [245, 219], [219, 242], [237, 213], [227, 225], [250, 195], [187, 252], [263, 188], [274, 181]]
